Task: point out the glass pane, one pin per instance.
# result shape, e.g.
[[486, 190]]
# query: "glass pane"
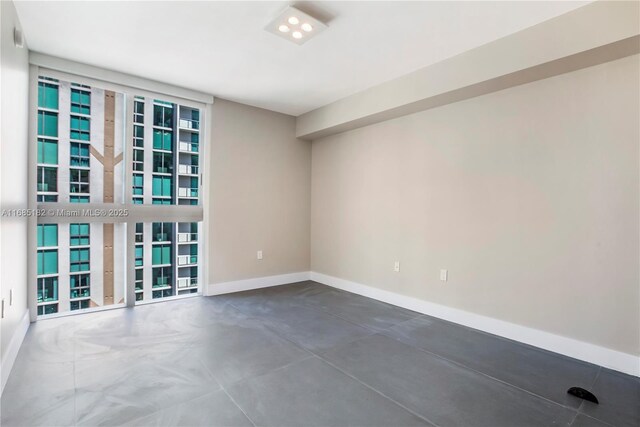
[[47, 123], [47, 151], [47, 235], [167, 262], [47, 261], [84, 107], [173, 138], [48, 95], [80, 266]]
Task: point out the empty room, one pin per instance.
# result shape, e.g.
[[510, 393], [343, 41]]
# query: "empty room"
[[320, 213]]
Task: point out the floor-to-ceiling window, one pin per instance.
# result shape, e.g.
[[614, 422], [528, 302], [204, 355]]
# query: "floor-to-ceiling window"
[[103, 155]]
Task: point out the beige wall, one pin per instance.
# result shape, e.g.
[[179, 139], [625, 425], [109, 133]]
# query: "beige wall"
[[260, 194], [14, 89], [528, 196]]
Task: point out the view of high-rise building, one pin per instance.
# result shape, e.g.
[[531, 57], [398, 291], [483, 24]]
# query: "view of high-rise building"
[[82, 158]]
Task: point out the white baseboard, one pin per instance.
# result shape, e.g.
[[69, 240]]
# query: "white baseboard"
[[13, 348], [622, 362], [256, 283]]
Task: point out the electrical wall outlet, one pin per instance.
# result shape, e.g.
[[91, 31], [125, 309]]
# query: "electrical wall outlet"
[[444, 275], [259, 255], [396, 266]]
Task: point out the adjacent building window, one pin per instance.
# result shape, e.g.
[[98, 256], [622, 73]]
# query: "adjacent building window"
[[162, 162], [162, 186], [47, 180], [79, 234], [139, 256], [139, 260], [47, 95], [79, 181], [47, 151], [47, 123], [162, 231], [80, 128], [79, 154], [47, 289], [138, 184], [163, 114], [47, 120], [138, 110], [162, 140], [80, 286], [47, 268], [80, 101], [161, 255], [77, 305], [79, 260]]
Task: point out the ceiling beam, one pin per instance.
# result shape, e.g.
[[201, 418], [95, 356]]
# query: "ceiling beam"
[[596, 33]]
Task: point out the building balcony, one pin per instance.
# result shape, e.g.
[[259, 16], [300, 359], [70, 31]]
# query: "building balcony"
[[187, 282], [187, 192], [188, 147], [187, 237], [189, 124], [188, 169], [187, 260]]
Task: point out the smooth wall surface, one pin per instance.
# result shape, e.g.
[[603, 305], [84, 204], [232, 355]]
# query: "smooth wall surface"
[[528, 196], [14, 81], [260, 190]]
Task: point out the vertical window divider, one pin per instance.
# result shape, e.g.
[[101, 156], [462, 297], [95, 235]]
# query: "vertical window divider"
[[32, 179], [130, 253]]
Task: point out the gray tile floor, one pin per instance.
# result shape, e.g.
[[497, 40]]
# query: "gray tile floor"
[[297, 355]]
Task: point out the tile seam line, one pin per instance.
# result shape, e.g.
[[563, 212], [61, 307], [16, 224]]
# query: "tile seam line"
[[282, 335], [238, 406], [580, 408], [302, 304], [357, 324], [375, 390], [273, 330], [462, 365]]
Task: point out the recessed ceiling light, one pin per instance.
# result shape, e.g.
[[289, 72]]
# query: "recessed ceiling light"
[[295, 25]]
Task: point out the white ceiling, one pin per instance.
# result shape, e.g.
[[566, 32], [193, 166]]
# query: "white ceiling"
[[221, 48]]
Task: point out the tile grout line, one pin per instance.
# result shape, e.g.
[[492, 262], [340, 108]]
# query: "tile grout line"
[[573, 420], [280, 335], [462, 365], [277, 332], [238, 406], [224, 389], [274, 331], [579, 411], [376, 391], [590, 388], [317, 309], [323, 310]]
